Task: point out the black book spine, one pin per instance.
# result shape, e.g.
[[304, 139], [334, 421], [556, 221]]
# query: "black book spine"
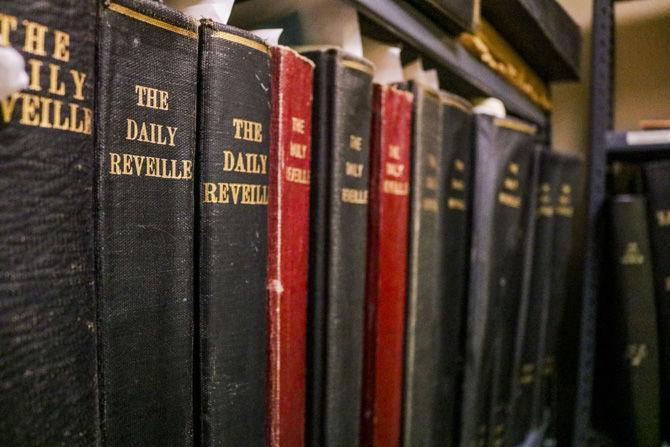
[[455, 210], [631, 327], [233, 146], [553, 319], [513, 279], [657, 183], [145, 148], [424, 292], [504, 159], [338, 234], [47, 301], [525, 374]]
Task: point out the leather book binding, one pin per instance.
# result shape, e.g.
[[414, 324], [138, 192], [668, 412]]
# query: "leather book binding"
[[504, 157], [47, 301], [566, 208], [147, 80], [386, 266], [341, 118], [233, 146], [288, 239], [514, 280], [629, 336], [455, 211], [523, 417], [424, 274], [657, 186]]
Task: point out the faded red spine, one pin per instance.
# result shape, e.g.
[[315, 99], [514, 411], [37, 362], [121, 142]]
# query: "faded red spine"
[[288, 237], [386, 266]]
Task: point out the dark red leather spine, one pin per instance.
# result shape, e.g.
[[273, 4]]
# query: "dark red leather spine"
[[288, 242], [386, 266]]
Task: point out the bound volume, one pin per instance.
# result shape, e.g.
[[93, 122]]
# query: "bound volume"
[[386, 266], [504, 153], [338, 241], [146, 143], [233, 145], [524, 416], [513, 288], [546, 393], [657, 185], [47, 301], [458, 120], [629, 341], [424, 275], [288, 239]]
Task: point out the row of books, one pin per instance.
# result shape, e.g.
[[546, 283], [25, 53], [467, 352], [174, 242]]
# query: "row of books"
[[210, 240], [633, 345]]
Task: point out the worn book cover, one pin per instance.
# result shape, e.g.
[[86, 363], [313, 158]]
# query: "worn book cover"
[[627, 338], [547, 395], [455, 212], [504, 154], [338, 242], [523, 415], [515, 282], [47, 301], [386, 266], [657, 186], [424, 272], [288, 243], [233, 146], [145, 147]]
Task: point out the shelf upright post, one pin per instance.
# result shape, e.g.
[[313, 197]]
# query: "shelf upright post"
[[601, 122]]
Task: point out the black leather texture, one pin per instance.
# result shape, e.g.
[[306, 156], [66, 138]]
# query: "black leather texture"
[[145, 222], [504, 159], [556, 389], [234, 71], [338, 240], [524, 409], [455, 212], [424, 281], [627, 377], [48, 382], [514, 282], [657, 186]]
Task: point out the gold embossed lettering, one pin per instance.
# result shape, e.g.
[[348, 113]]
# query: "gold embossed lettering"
[[35, 38], [78, 78], [248, 130], [298, 125], [7, 25], [61, 46]]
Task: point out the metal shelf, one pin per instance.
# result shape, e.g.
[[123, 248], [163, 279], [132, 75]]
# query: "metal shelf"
[[643, 144], [549, 39], [410, 26]]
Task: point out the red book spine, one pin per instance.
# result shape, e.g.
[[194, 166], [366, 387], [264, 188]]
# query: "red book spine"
[[386, 266], [288, 241]]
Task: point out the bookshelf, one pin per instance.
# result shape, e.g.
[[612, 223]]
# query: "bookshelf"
[[605, 144], [463, 71]]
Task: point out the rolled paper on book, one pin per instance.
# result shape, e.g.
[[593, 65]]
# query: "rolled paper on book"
[[217, 10], [386, 58], [305, 22], [490, 106], [13, 76], [269, 35]]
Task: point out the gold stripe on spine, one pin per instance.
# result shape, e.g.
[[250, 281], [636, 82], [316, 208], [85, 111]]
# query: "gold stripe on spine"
[[230, 37], [357, 66], [516, 125], [453, 102], [151, 21]]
